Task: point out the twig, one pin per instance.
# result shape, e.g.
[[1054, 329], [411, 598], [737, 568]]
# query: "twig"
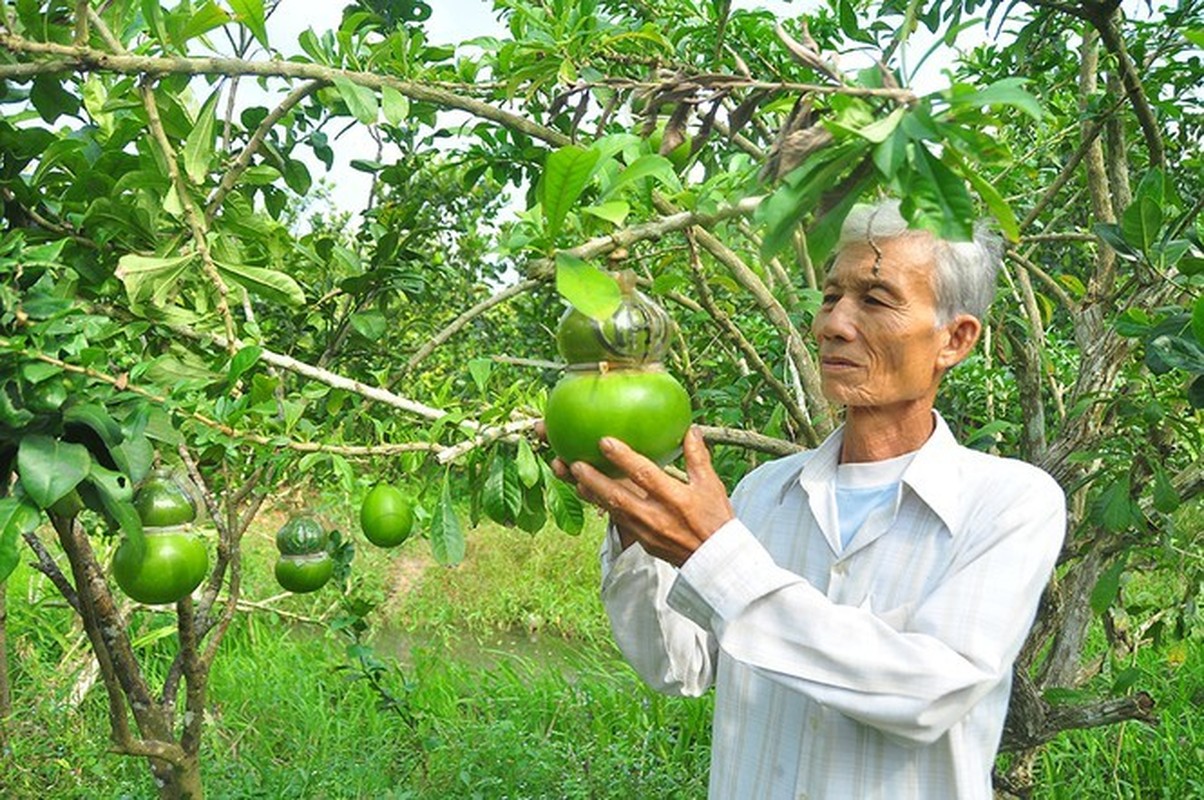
[[484, 437], [672, 222], [459, 322], [230, 179], [742, 343]]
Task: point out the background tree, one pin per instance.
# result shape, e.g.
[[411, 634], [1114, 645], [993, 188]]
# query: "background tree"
[[160, 264]]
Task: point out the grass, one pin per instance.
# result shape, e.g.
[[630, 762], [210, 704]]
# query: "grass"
[[495, 679]]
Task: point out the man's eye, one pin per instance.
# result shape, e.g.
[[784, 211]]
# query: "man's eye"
[[830, 299], [873, 301]]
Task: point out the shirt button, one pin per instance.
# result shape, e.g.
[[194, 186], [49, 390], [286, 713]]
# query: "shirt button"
[[840, 568]]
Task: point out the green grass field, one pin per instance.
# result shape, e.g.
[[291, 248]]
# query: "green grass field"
[[495, 679]]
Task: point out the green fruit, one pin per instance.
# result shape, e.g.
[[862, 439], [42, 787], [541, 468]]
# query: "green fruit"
[[386, 516], [638, 331], [301, 536], [161, 502], [174, 563], [646, 408], [307, 573]]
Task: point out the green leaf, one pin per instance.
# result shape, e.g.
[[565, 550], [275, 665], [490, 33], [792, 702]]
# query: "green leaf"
[[50, 99], [613, 212], [1007, 92], [447, 535], [502, 495], [266, 283], [1166, 499], [242, 361], [480, 369], [1103, 595], [198, 147], [360, 100], [297, 177], [1177, 352], [1141, 221], [1195, 392], [999, 208], [1126, 679], [49, 469], [372, 325], [587, 288], [937, 200], [396, 106], [653, 166], [1114, 509], [878, 130], [1114, 237], [147, 277], [16, 517], [526, 464], [251, 14], [203, 20], [1197, 320], [566, 173], [566, 507]]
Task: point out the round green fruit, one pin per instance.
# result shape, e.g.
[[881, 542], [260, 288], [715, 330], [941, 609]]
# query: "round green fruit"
[[646, 408], [161, 502], [301, 536], [386, 516], [307, 573], [174, 563]]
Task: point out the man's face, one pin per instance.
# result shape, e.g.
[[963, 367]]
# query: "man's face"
[[879, 345]]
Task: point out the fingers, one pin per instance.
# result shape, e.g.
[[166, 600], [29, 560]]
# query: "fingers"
[[698, 457]]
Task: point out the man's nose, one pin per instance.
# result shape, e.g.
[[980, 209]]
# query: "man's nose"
[[835, 321]]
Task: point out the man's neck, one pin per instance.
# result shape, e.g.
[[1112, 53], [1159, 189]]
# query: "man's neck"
[[874, 434]]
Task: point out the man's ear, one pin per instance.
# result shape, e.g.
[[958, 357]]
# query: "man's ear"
[[962, 334]]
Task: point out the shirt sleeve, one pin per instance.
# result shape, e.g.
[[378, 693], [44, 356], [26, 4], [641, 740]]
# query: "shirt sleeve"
[[915, 681], [670, 652]]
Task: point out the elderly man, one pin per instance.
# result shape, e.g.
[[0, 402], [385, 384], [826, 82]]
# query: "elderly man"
[[857, 607]]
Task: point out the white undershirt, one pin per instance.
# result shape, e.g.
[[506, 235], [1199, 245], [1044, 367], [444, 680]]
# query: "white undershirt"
[[864, 487]]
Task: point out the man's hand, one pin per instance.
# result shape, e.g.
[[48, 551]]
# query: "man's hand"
[[669, 518]]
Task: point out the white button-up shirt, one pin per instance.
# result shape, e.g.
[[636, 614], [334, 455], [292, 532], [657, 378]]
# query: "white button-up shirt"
[[879, 670]]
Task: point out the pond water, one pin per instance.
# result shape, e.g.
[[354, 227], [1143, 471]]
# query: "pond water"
[[487, 650]]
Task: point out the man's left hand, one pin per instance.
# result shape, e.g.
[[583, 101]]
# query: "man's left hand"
[[669, 518]]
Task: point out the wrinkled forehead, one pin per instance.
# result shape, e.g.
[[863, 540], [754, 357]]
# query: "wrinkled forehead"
[[904, 263]]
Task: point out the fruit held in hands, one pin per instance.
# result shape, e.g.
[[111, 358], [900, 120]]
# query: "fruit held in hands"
[[646, 408], [386, 516]]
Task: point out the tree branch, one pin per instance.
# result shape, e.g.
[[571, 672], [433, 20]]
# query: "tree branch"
[[86, 59]]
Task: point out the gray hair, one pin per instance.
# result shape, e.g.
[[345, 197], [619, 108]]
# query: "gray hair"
[[964, 272]]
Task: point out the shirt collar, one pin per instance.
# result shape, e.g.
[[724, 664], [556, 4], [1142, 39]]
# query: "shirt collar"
[[928, 476]]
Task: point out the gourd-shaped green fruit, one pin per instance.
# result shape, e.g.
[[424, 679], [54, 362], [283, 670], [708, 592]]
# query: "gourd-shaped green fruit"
[[638, 332], [175, 558], [616, 386], [304, 564]]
